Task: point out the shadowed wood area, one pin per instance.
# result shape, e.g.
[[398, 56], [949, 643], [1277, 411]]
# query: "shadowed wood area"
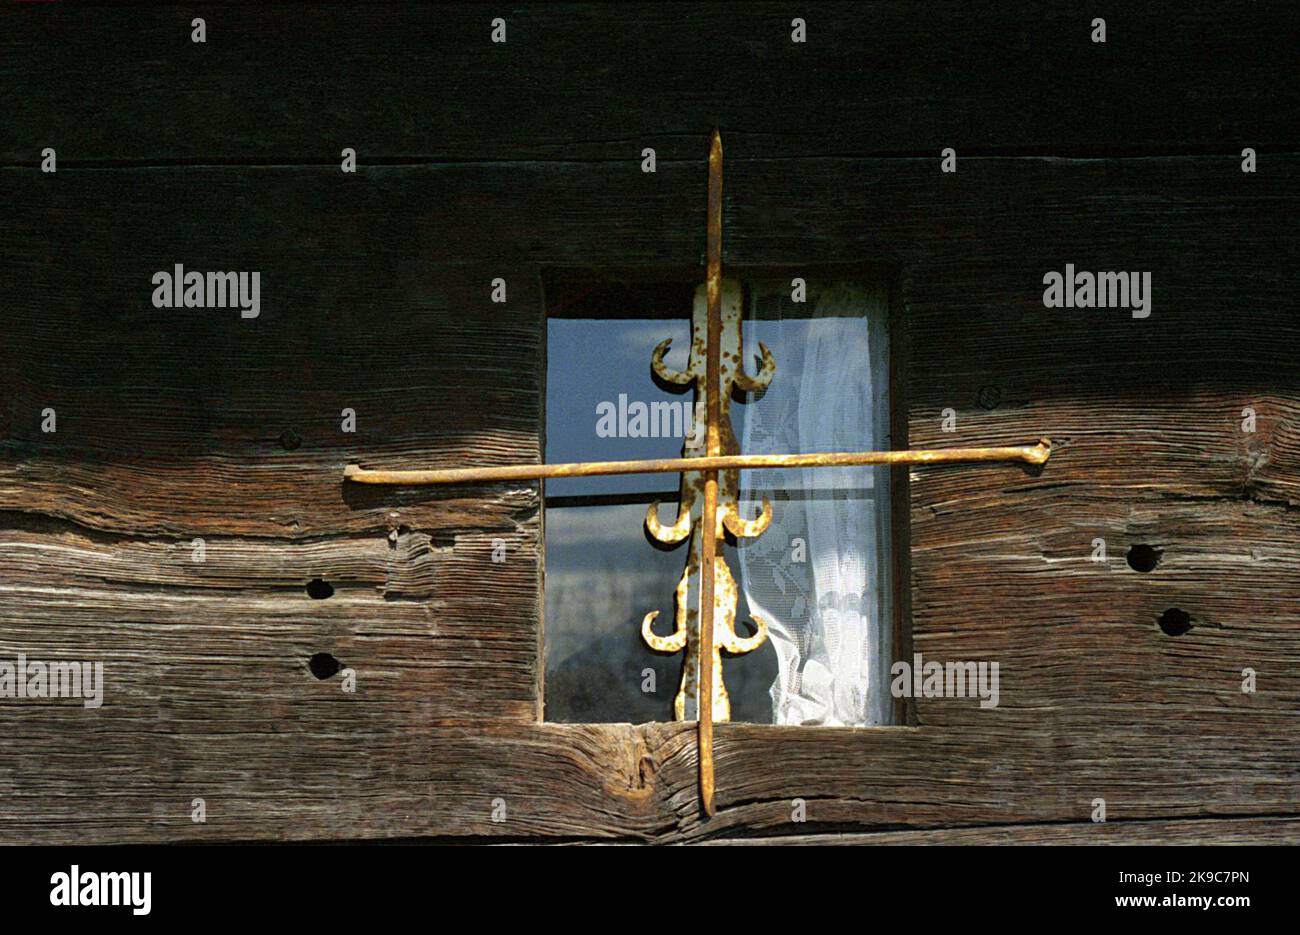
[[177, 424], [298, 83]]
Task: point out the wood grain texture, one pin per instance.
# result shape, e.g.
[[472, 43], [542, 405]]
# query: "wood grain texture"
[[176, 424], [578, 82], [1190, 832]]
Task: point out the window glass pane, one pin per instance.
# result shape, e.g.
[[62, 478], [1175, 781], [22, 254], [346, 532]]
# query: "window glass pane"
[[598, 385], [603, 573], [819, 575]]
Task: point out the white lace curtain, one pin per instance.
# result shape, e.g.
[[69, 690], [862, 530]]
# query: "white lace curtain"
[[820, 575]]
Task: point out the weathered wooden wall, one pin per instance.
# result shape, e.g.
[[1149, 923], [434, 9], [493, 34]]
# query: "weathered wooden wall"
[[480, 160]]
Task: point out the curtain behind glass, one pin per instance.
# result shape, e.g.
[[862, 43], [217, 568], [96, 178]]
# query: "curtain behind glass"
[[820, 574]]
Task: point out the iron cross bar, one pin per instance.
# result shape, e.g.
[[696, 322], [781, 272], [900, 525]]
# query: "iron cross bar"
[[708, 466]]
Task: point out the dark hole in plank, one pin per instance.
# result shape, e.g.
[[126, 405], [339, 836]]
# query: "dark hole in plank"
[[1143, 558], [1175, 622], [318, 590], [323, 665]]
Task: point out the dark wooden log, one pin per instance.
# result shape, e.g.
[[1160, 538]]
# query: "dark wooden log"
[[297, 83]]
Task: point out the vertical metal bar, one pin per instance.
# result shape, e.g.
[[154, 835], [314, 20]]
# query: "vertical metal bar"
[[713, 447]]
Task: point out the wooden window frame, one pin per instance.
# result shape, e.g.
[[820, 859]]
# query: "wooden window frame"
[[554, 278]]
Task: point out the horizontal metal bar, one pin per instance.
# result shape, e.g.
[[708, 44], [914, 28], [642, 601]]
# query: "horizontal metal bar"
[[1034, 454]]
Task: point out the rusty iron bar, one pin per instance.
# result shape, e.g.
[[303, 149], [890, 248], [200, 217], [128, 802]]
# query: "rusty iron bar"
[[1031, 454], [712, 449]]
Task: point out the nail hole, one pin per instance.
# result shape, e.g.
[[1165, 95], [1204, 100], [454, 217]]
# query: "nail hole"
[[318, 590], [290, 439], [323, 665], [1143, 558], [1175, 622], [988, 397]]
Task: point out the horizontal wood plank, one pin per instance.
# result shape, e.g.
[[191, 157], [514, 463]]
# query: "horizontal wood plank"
[[1199, 832], [293, 83]]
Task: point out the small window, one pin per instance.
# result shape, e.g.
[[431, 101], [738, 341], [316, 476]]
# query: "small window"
[[821, 575]]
